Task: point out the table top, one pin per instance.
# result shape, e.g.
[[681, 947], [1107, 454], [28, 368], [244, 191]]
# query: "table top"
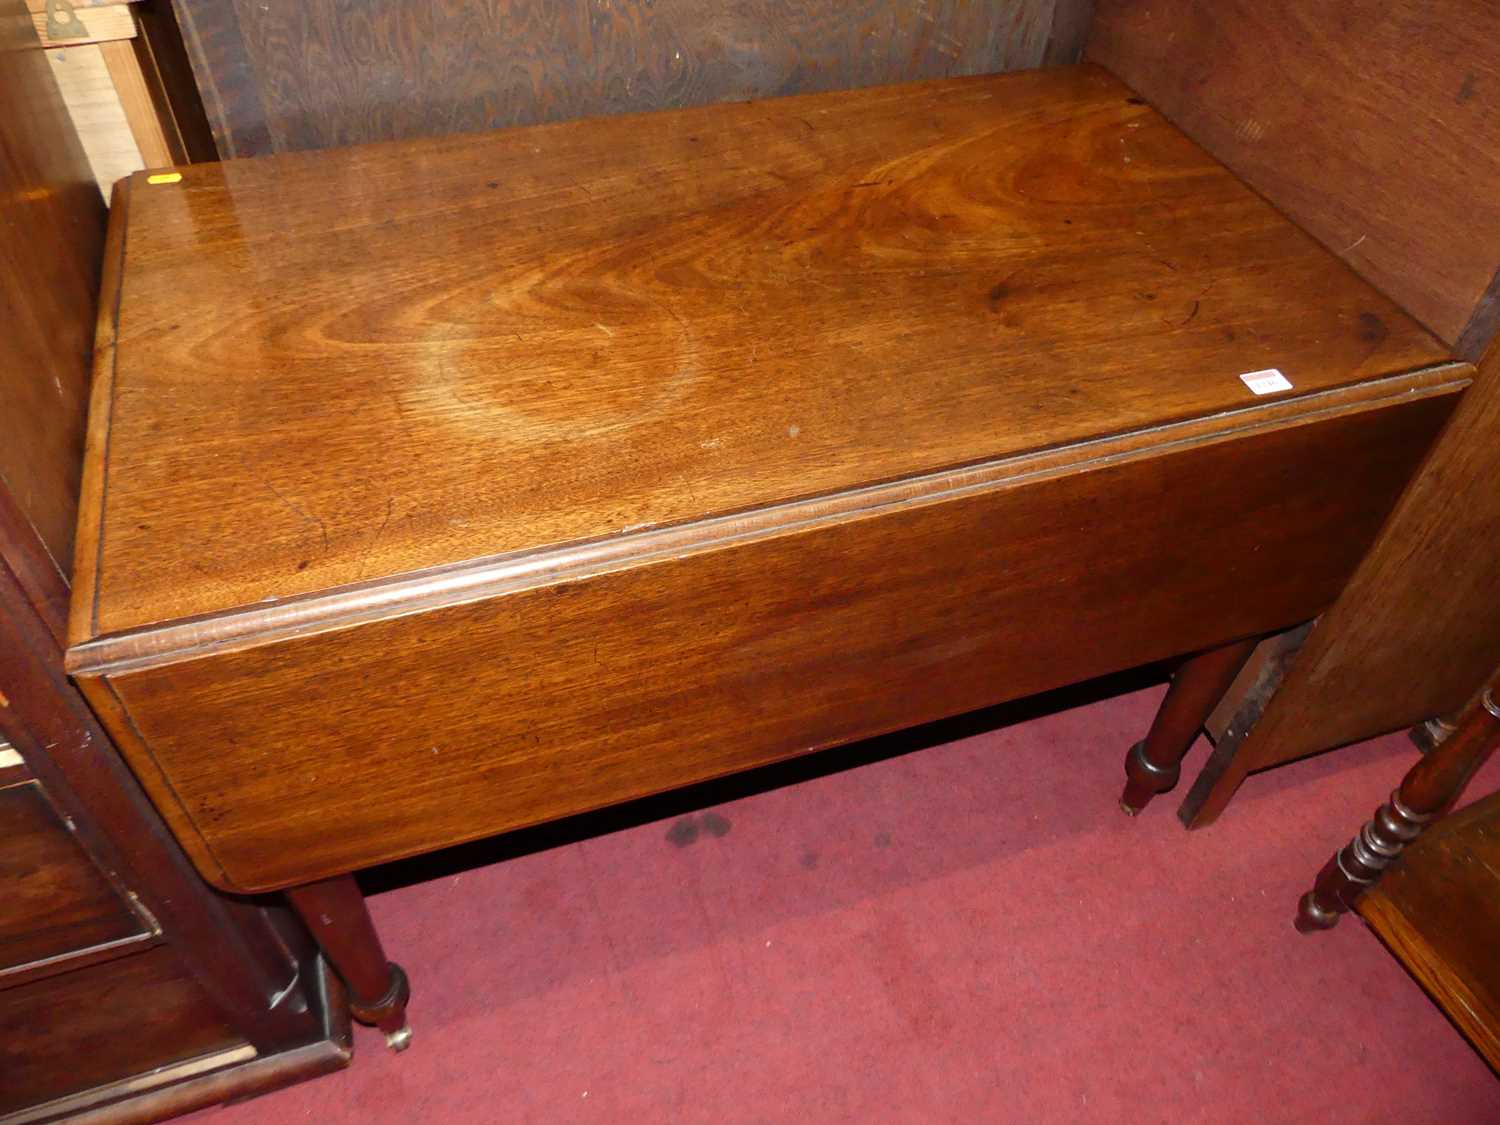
[[326, 369]]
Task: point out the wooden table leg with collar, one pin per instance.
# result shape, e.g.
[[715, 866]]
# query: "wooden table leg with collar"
[[1429, 788], [1154, 764], [334, 911]]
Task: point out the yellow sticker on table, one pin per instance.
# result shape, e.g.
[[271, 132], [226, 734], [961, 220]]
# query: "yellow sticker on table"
[[164, 178]]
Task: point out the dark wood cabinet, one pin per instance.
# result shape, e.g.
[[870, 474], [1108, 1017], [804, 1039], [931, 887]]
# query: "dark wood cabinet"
[[127, 985], [57, 903], [125, 981]]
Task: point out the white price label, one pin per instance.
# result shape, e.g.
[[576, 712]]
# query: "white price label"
[[1266, 382]]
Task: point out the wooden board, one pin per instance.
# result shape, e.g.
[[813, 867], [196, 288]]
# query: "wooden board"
[[168, 78], [39, 7], [76, 25], [104, 1023], [124, 65], [1374, 123], [1419, 623], [97, 114], [56, 902], [313, 74], [51, 236], [1438, 909], [395, 358]]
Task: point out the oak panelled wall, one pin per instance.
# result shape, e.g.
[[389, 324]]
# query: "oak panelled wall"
[[298, 74]]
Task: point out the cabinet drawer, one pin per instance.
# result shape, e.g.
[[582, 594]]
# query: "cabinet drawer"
[[127, 1019], [53, 900]]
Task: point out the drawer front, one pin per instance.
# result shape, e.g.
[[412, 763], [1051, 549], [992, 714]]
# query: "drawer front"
[[69, 1033], [310, 756], [54, 901]]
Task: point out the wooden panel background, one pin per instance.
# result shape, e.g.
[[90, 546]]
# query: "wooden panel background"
[[56, 901], [298, 74], [1373, 123], [103, 1024], [1376, 125], [51, 244], [1418, 627]]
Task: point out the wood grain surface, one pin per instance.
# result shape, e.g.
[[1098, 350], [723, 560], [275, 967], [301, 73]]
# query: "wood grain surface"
[[1438, 909], [1374, 123], [336, 367], [81, 25], [318, 73], [56, 901], [96, 112], [340, 748], [1418, 624], [123, 62], [169, 79], [51, 233], [102, 1024], [227, 945]]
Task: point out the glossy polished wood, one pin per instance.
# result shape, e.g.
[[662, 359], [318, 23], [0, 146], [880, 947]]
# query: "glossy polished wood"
[[51, 234], [127, 986], [1374, 123], [317, 73], [388, 359], [100, 1024], [540, 695], [176, 102], [1376, 126], [226, 944], [335, 914], [441, 488], [1154, 764]]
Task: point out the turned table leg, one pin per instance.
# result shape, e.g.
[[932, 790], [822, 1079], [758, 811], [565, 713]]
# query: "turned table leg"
[[334, 910], [1428, 788], [1153, 765]]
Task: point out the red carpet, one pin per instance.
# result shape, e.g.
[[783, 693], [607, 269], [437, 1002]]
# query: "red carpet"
[[971, 932]]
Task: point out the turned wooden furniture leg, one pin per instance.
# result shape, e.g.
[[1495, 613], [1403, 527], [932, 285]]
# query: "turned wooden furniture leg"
[[1152, 765], [334, 910], [1428, 788]]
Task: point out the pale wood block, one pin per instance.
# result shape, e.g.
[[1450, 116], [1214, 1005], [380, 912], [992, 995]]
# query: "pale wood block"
[[94, 105]]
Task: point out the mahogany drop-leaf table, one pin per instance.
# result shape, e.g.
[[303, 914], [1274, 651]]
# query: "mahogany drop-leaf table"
[[439, 488]]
